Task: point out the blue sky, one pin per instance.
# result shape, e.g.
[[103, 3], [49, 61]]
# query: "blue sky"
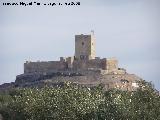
[[126, 29]]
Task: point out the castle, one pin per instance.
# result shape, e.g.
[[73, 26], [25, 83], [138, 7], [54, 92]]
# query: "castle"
[[83, 68], [84, 59]]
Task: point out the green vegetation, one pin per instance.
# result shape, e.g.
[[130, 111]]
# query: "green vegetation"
[[72, 102]]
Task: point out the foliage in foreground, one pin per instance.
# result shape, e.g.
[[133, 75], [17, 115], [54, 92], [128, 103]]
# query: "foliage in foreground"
[[79, 103]]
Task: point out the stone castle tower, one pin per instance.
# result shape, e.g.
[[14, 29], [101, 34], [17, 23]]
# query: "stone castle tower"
[[85, 47]]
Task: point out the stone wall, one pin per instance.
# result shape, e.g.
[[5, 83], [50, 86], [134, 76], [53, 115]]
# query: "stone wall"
[[112, 65], [87, 64], [69, 61], [71, 64], [31, 67]]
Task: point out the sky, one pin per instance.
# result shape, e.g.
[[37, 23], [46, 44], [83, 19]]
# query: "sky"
[[126, 29]]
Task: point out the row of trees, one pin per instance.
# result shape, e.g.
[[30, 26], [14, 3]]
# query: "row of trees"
[[72, 102]]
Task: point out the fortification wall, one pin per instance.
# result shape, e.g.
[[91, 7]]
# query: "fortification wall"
[[94, 63], [65, 64], [87, 64], [31, 67], [69, 61], [112, 65]]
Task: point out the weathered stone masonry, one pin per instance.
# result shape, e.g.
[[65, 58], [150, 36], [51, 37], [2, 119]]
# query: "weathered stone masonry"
[[84, 59], [83, 68]]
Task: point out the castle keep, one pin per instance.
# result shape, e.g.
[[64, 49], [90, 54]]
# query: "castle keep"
[[84, 68]]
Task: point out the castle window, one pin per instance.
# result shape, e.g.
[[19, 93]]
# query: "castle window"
[[82, 57], [82, 43], [92, 43]]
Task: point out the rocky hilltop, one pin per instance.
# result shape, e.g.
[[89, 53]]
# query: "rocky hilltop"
[[94, 78]]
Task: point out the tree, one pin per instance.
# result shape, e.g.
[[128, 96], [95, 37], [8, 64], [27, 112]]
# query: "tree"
[[73, 102]]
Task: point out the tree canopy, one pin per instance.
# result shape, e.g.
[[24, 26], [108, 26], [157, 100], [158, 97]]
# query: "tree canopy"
[[73, 102]]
